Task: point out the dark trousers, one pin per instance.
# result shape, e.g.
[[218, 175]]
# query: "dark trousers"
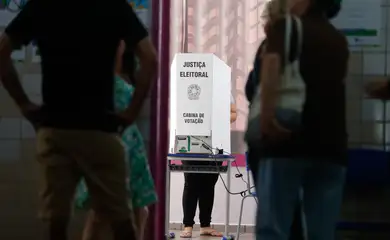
[[198, 188]]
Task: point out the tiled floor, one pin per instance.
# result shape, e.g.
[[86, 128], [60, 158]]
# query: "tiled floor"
[[195, 236]]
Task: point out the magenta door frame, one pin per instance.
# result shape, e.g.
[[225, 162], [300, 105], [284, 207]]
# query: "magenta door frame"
[[159, 114]]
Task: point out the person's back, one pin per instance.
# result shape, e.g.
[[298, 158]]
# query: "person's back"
[[324, 67], [78, 48]]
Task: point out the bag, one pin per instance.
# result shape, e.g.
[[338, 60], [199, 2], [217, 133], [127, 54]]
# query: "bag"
[[289, 107]]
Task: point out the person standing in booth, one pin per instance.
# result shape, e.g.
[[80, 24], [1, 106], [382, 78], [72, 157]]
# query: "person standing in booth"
[[199, 188]]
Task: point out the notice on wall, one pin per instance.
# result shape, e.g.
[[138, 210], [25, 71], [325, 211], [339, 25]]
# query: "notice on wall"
[[194, 94], [361, 22], [9, 9], [142, 10]]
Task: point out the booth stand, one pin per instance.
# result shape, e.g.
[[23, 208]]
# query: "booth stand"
[[201, 170]]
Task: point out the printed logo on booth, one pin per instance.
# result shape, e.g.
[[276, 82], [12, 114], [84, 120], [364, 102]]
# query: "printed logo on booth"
[[193, 92]]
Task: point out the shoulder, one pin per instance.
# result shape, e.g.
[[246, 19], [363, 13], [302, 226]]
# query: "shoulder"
[[29, 21], [277, 37], [278, 26], [132, 30]]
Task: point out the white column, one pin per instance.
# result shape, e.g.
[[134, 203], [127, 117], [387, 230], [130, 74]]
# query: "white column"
[[175, 27], [199, 10], [185, 25]]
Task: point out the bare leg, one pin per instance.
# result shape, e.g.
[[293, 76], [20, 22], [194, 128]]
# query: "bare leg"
[[141, 215]]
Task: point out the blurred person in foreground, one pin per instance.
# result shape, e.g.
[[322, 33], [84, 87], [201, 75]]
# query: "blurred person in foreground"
[[77, 126], [270, 14], [140, 185], [313, 156]]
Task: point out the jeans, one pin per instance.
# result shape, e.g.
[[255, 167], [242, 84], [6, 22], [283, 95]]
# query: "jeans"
[[296, 229], [278, 187]]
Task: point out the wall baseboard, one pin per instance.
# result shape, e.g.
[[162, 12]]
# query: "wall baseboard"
[[218, 227]]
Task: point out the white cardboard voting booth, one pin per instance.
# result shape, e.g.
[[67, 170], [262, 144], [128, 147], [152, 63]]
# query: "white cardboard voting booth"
[[199, 104]]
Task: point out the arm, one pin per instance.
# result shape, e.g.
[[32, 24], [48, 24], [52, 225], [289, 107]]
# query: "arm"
[[233, 113], [136, 38], [272, 67], [269, 85], [379, 89], [8, 74], [19, 32]]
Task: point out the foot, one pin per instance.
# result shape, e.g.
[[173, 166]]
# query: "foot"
[[208, 231], [186, 233]]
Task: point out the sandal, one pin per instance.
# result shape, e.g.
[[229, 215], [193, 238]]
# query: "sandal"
[[210, 232], [186, 233]]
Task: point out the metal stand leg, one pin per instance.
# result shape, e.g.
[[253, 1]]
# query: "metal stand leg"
[[240, 217], [167, 202], [227, 216]]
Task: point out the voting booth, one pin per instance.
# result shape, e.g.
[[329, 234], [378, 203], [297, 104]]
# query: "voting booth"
[[200, 90]]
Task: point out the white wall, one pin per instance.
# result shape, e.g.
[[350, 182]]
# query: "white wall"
[[218, 216]]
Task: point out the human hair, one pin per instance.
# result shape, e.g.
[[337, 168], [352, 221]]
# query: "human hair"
[[329, 8], [270, 10]]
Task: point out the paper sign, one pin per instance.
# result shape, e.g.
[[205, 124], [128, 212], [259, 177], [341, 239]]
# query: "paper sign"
[[361, 22], [9, 9], [142, 9]]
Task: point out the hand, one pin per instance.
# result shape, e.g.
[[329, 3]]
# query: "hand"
[[32, 113], [274, 131], [125, 119], [378, 89]]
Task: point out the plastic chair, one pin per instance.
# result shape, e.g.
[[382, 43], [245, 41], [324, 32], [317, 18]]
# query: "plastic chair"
[[249, 194]]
